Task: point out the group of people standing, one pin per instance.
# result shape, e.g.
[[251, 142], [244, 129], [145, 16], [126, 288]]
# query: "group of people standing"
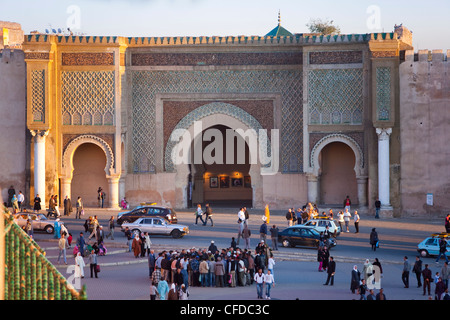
[[211, 267], [425, 277]]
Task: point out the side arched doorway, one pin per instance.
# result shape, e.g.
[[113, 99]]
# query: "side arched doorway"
[[89, 163], [336, 170], [337, 174]]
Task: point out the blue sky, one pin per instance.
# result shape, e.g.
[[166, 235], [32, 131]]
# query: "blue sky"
[[427, 19]]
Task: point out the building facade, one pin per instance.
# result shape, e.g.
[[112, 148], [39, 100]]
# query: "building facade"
[[104, 112]]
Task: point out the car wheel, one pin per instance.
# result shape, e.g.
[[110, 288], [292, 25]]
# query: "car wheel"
[[49, 229], [176, 234], [424, 253], [286, 243], [136, 232]]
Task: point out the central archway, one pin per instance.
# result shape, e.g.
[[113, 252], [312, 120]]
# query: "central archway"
[[211, 115], [222, 184]]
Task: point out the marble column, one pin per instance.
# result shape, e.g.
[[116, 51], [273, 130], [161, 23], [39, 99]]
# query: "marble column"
[[39, 163], [113, 197], [313, 188], [383, 166], [66, 189], [362, 190]]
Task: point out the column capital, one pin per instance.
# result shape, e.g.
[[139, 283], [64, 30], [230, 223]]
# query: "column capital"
[[39, 134], [384, 133]]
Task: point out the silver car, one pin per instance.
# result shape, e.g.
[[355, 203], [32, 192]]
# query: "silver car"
[[39, 221], [156, 226]]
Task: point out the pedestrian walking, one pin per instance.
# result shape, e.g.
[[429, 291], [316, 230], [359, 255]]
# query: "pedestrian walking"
[[427, 278], [269, 283], [381, 295], [347, 216], [136, 246], [112, 225], [198, 214], [417, 269], [79, 208], [37, 204], [347, 203], [246, 234], [356, 221], [152, 291], [439, 289], [259, 279], [93, 263], [374, 239], [163, 289], [377, 208], [62, 244], [263, 231], [447, 223], [442, 250], [79, 266], [67, 206], [362, 290], [274, 237], [405, 272], [208, 215], [20, 200], [331, 271], [129, 237], [28, 228], [356, 277]]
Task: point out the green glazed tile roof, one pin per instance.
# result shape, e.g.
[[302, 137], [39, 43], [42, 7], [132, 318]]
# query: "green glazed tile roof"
[[279, 31]]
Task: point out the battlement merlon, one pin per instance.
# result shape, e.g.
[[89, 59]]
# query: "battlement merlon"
[[427, 56], [401, 38]]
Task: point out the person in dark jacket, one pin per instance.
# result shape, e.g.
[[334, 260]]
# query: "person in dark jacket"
[[356, 277], [374, 239], [426, 274], [331, 271], [417, 269]]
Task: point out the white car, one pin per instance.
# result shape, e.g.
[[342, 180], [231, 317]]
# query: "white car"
[[39, 221], [319, 224], [156, 226]]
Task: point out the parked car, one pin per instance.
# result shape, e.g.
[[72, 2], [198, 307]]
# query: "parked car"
[[156, 226], [303, 236], [147, 211], [320, 223], [430, 245], [38, 220]]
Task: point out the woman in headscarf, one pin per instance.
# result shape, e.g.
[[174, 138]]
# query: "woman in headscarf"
[[136, 246], [79, 266], [173, 294], [57, 229], [356, 277], [367, 270], [183, 293]]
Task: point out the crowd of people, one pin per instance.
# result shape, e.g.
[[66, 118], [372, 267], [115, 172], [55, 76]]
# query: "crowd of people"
[[210, 267]]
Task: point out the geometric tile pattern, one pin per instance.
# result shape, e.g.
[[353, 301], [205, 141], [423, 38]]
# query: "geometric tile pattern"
[[38, 95], [335, 96], [88, 97], [383, 94], [147, 84]]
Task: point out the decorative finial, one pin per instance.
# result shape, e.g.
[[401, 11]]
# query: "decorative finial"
[[279, 17]]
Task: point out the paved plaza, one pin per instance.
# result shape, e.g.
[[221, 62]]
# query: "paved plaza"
[[124, 277]]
